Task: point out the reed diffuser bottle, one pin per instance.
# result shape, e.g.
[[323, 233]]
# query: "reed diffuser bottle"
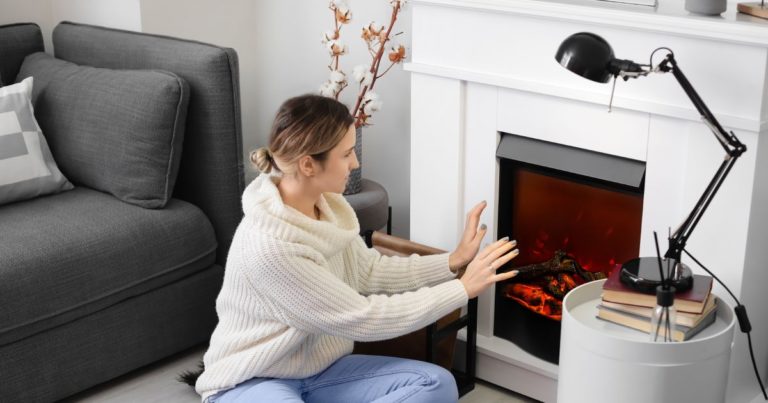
[[664, 315]]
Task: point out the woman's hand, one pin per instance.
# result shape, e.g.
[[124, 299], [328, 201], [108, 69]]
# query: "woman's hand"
[[470, 241], [481, 271]]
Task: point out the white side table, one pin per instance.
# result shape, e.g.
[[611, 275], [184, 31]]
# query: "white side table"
[[604, 362]]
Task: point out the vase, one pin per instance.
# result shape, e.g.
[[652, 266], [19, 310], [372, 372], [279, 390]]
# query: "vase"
[[706, 7], [355, 181]]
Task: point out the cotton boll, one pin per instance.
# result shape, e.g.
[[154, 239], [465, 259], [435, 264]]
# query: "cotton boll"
[[336, 49], [359, 72], [397, 54], [338, 76], [375, 28], [371, 96], [328, 89], [371, 107], [368, 79], [330, 36], [343, 17], [340, 5]]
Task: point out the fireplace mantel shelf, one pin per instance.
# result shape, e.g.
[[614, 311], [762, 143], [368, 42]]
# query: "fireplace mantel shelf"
[[581, 94], [669, 17]]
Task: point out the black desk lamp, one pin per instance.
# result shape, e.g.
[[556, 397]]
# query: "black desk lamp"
[[590, 56]]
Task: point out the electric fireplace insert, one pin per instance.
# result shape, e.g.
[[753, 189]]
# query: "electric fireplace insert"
[[575, 214]]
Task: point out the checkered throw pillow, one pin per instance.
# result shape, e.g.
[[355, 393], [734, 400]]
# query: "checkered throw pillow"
[[27, 168]]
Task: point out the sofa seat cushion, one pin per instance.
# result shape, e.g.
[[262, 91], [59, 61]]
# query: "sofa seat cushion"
[[74, 253]]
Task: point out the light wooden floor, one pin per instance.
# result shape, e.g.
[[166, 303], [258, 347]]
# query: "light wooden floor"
[[157, 383]]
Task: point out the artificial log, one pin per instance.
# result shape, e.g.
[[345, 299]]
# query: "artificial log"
[[561, 262]]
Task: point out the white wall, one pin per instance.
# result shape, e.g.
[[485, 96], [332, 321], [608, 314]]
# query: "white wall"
[[37, 11], [281, 56], [122, 14]]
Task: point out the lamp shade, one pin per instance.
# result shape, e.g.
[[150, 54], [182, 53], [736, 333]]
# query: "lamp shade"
[[587, 55]]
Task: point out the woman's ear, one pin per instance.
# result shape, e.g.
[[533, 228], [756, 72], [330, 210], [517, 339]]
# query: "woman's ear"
[[307, 166]]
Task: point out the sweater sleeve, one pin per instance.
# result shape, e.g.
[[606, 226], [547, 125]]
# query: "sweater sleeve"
[[305, 295], [377, 273]]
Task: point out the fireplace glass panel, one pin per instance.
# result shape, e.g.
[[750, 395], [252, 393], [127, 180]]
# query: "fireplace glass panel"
[[576, 226], [599, 226]]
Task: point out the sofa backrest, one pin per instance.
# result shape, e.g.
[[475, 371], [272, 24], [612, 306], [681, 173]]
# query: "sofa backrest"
[[211, 171], [16, 42]]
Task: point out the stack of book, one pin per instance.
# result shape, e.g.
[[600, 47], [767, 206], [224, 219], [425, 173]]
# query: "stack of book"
[[696, 308]]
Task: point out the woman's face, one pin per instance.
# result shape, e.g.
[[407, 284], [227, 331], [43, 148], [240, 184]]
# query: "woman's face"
[[340, 162]]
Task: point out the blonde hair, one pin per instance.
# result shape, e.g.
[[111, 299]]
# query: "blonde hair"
[[261, 159], [304, 125]]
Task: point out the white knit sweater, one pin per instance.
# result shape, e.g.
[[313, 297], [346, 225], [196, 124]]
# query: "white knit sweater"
[[297, 292]]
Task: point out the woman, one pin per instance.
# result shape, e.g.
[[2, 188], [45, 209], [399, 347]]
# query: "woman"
[[300, 285]]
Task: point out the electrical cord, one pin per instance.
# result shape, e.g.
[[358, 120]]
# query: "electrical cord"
[[658, 49], [741, 315]]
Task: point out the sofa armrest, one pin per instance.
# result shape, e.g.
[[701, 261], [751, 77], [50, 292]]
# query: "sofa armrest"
[[211, 174]]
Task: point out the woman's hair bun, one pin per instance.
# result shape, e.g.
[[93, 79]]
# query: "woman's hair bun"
[[261, 158]]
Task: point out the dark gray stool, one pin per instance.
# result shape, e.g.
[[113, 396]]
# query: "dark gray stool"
[[371, 205]]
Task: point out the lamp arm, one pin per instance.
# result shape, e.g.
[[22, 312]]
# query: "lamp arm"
[[679, 238], [730, 143]]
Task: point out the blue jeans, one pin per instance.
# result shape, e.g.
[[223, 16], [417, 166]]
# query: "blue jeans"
[[353, 379]]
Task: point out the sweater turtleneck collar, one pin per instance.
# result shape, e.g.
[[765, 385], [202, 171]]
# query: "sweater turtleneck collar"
[[333, 232]]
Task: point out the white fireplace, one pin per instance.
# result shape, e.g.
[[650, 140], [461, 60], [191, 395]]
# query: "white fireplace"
[[482, 67]]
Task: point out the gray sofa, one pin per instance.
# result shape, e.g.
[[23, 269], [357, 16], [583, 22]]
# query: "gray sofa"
[[92, 286]]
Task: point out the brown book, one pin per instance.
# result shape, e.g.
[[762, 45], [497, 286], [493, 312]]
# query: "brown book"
[[691, 301], [643, 324], [683, 318]]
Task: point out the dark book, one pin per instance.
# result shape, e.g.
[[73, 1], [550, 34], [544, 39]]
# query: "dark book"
[[691, 301], [643, 324]]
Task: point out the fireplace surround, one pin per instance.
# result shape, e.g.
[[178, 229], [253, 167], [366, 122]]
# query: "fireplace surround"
[[481, 68]]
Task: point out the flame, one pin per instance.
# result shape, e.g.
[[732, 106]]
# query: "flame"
[[544, 296], [536, 299]]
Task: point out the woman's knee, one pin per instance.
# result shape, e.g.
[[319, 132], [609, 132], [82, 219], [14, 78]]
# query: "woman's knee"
[[448, 391], [441, 387], [383, 379]]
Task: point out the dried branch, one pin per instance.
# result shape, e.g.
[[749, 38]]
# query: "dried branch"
[[376, 38]]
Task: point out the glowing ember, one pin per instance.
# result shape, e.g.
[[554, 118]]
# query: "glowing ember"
[[541, 287], [536, 299]]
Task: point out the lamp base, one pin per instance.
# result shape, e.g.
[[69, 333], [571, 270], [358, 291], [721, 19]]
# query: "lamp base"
[[642, 274], [757, 9]]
